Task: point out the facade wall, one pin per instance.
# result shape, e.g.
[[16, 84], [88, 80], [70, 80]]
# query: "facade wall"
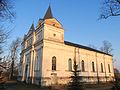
[[48, 42], [26, 65], [53, 33], [64, 52], [38, 66]]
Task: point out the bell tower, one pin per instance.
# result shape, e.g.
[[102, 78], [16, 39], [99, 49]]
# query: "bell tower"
[[53, 30]]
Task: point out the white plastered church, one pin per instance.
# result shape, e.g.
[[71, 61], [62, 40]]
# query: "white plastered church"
[[46, 58]]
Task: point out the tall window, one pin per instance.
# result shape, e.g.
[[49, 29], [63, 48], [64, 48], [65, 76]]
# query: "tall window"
[[101, 67], [38, 63], [70, 64], [54, 63], [30, 41], [83, 67], [27, 43], [109, 68], [38, 35], [93, 67]]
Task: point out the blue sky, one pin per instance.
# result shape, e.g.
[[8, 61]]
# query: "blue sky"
[[78, 17]]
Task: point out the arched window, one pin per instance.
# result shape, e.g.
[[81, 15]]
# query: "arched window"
[[101, 67], [83, 67], [93, 67], [70, 64], [109, 68], [54, 63]]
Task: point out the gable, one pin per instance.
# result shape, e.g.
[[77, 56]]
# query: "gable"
[[53, 22]]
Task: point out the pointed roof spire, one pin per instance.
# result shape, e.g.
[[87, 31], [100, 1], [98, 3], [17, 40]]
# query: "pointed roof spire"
[[48, 13], [32, 27]]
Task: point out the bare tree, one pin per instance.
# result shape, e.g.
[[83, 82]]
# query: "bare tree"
[[110, 8], [14, 52], [3, 37], [5, 65], [7, 13], [6, 10], [107, 47]]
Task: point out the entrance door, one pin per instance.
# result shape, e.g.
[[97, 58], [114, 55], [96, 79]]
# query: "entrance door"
[[53, 78]]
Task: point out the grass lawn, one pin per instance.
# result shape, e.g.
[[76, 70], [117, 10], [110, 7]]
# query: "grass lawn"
[[13, 85]]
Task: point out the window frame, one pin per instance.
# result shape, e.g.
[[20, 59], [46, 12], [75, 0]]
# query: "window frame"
[[93, 67], [70, 64], [109, 70], [102, 67], [53, 63], [82, 66]]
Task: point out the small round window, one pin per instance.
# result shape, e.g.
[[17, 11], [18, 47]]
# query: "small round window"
[[54, 34], [54, 24]]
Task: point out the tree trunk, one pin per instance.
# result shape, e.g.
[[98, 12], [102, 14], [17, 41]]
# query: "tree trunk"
[[12, 69]]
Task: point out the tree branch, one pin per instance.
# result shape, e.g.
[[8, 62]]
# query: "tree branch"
[[110, 8]]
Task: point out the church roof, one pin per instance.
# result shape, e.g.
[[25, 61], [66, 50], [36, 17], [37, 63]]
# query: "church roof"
[[32, 27], [31, 30], [84, 47], [48, 14]]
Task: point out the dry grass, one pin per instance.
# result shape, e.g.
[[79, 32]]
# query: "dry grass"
[[13, 85]]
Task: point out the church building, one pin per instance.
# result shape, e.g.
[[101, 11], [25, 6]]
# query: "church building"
[[46, 58]]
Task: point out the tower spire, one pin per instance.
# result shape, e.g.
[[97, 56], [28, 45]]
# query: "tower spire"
[[32, 27], [48, 13]]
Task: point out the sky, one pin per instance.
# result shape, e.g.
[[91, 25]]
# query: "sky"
[[78, 17]]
